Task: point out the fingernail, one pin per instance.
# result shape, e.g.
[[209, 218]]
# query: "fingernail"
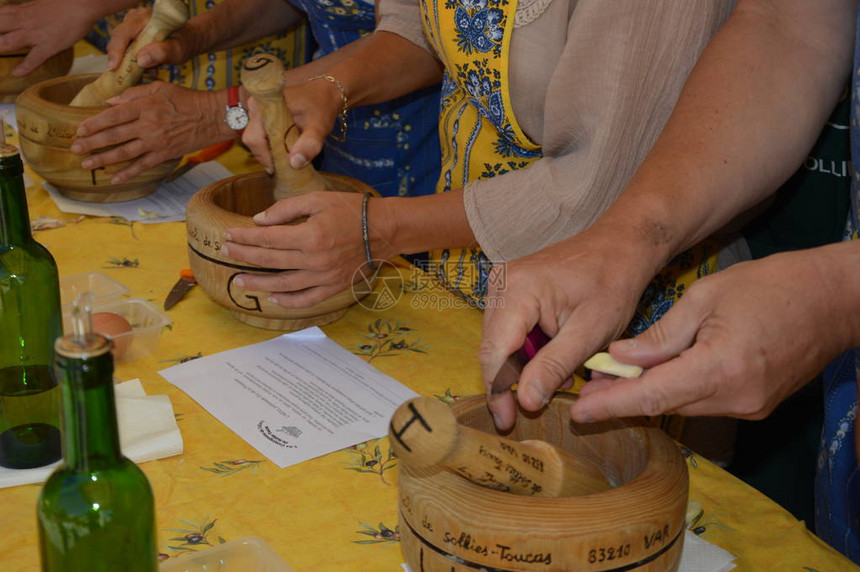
[[535, 394], [224, 250], [496, 420], [260, 217], [227, 236], [628, 344], [112, 100], [273, 300], [269, 171], [239, 281], [582, 417], [87, 163], [145, 60], [297, 161], [76, 147]]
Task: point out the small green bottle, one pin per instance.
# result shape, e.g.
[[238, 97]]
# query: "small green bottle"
[[30, 321], [96, 511]]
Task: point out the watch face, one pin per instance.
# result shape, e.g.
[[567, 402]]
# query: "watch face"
[[237, 118]]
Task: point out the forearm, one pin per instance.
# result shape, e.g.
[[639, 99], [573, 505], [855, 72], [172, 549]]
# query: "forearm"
[[838, 299], [417, 224], [749, 112], [380, 67], [236, 22]]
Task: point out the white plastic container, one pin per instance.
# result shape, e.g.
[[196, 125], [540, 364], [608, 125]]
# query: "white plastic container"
[[245, 554], [146, 321], [102, 287]]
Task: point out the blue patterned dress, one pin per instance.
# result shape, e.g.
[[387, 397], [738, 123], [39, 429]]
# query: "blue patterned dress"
[[394, 146], [837, 486]]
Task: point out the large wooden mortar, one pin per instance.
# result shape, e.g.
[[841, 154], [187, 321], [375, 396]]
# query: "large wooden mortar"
[[451, 524], [232, 203], [57, 65], [47, 126]]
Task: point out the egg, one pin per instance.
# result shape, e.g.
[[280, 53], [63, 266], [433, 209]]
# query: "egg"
[[113, 326]]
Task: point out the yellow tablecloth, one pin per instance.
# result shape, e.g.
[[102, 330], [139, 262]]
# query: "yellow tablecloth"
[[338, 512]]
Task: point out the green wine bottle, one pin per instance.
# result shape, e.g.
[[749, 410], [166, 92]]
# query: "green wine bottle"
[[30, 321], [96, 511]]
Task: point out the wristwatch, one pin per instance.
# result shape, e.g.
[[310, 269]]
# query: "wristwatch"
[[237, 117]]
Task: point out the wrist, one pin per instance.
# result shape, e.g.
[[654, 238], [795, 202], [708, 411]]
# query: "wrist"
[[382, 227]]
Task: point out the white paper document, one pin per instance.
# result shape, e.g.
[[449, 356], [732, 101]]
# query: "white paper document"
[[294, 397], [166, 204]]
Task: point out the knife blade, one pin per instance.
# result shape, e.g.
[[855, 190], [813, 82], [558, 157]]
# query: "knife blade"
[[509, 373], [185, 283], [207, 154]]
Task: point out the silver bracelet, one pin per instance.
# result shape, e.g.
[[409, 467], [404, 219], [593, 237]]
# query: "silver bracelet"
[[364, 233]]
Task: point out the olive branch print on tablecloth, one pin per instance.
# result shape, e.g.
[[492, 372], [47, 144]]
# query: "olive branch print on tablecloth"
[[194, 537], [385, 339], [367, 460], [381, 535]]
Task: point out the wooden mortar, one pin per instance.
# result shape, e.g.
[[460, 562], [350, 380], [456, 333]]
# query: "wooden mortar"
[[451, 524], [57, 65], [47, 125], [232, 203]]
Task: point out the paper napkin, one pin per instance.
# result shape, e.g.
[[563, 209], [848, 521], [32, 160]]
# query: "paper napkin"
[[147, 431]]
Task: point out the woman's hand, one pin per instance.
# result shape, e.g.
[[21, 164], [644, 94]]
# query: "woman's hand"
[[176, 49], [739, 341], [323, 254], [150, 124], [46, 26], [314, 106], [581, 292]]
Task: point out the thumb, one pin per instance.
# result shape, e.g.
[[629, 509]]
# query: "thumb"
[[287, 210], [159, 53], [307, 146], [672, 334]]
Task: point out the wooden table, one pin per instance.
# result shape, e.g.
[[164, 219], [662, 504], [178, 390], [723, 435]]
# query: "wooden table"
[[338, 512]]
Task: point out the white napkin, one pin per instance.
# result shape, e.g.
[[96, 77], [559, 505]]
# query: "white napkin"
[[698, 555], [147, 431]]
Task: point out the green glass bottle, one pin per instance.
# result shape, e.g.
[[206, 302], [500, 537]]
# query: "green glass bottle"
[[30, 321], [96, 511]]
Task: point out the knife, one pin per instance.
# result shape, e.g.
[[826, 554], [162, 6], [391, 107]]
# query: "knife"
[[207, 154], [185, 283], [509, 373]]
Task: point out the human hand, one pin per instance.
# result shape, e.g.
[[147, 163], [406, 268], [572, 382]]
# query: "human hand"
[[176, 49], [322, 253], [737, 343], [150, 124], [46, 26], [309, 105], [582, 292]]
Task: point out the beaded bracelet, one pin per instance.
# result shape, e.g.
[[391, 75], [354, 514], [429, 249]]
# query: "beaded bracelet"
[[344, 106], [364, 234]]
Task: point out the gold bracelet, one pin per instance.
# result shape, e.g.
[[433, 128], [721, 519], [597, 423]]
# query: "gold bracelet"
[[343, 108]]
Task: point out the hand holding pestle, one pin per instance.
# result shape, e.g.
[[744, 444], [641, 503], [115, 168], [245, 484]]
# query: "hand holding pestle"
[[263, 77], [424, 432], [167, 15]]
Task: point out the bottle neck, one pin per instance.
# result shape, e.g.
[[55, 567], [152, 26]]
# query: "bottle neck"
[[89, 425], [14, 217]]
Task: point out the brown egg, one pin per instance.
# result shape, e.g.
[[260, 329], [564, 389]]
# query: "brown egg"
[[113, 326]]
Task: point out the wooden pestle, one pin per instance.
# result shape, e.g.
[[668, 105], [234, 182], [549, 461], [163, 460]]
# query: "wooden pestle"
[[424, 432], [263, 77], [167, 15]]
